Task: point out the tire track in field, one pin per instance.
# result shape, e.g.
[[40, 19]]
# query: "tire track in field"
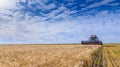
[[113, 55], [111, 58], [105, 58], [108, 62]]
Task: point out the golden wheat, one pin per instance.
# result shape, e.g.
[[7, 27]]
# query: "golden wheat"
[[111, 56], [45, 55]]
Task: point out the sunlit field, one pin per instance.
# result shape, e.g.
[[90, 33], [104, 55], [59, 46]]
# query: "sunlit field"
[[72, 55], [47, 55], [111, 55]]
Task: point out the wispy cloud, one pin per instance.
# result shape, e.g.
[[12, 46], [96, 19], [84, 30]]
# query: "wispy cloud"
[[97, 4], [37, 21]]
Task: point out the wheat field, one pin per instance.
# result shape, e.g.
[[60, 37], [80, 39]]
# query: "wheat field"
[[107, 55], [111, 55], [45, 55]]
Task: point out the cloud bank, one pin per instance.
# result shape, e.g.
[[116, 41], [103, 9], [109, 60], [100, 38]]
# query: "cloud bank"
[[38, 21]]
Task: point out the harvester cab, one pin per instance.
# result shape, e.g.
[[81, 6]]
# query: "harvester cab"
[[93, 38]]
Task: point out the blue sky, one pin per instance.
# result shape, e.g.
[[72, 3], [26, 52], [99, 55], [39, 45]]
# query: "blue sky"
[[59, 21]]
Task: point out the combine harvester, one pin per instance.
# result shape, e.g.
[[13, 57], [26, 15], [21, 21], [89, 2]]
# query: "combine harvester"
[[94, 40]]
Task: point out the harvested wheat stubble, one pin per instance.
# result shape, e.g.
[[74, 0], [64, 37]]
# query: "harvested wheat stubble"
[[45, 55], [111, 55]]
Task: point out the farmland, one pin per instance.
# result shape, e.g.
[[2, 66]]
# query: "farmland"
[[45, 55], [106, 56], [70, 55], [111, 55]]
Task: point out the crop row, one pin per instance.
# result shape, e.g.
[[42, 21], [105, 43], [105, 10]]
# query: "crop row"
[[111, 56], [106, 56]]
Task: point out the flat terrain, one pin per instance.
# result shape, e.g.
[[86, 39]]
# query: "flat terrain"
[[111, 55], [48, 55]]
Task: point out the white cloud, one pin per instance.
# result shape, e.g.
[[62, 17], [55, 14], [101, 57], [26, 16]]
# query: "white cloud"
[[113, 4], [37, 30], [41, 5], [5, 5], [33, 31], [97, 4]]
